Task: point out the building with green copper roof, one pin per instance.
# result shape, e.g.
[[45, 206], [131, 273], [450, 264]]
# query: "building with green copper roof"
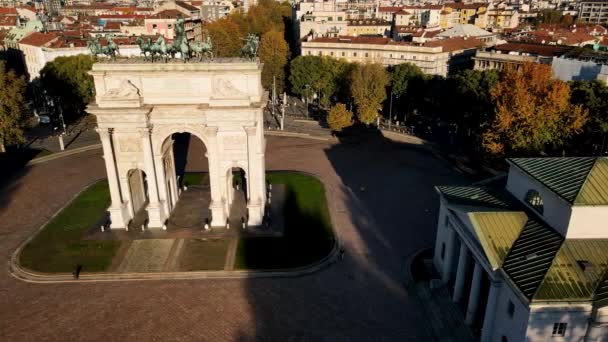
[[529, 260]]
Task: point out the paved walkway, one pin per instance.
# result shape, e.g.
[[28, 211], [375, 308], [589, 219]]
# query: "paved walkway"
[[359, 298]]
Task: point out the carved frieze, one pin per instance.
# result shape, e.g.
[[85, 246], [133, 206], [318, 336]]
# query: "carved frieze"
[[234, 142], [129, 144]]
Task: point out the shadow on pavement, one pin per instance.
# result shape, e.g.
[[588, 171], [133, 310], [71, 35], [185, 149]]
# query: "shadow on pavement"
[[384, 209]]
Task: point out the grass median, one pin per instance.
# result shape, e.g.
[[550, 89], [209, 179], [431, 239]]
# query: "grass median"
[[59, 247], [308, 234]]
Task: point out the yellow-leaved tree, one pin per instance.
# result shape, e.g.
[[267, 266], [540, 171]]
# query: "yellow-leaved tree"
[[532, 112]]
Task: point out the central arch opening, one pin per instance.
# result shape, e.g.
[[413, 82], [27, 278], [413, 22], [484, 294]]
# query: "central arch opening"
[[187, 184]]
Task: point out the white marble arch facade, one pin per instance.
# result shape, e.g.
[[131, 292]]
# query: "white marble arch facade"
[[140, 105]]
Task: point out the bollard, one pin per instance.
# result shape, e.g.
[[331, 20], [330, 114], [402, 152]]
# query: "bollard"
[[102, 228], [206, 226]]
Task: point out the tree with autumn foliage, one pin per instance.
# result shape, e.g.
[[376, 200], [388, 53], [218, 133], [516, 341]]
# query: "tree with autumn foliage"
[[226, 36], [339, 117], [532, 113], [274, 53], [368, 88]]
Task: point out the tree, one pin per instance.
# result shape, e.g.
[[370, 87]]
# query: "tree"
[[533, 112], [401, 77], [593, 96], [339, 117], [273, 53], [368, 88], [66, 79], [226, 36], [12, 107]]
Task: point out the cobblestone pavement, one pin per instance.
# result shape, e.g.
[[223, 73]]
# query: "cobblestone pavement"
[[383, 206]]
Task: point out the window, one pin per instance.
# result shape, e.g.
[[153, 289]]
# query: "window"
[[320, 53], [309, 53], [153, 26], [343, 54], [442, 251], [534, 200], [511, 309], [366, 55], [559, 329], [354, 54], [170, 26], [331, 53]]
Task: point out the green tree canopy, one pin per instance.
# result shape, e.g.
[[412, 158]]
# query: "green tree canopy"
[[402, 75], [339, 117], [67, 79], [274, 54], [593, 96], [322, 76], [368, 88], [12, 107]]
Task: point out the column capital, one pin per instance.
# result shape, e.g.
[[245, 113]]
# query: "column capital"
[[104, 131], [145, 132], [250, 130], [211, 131]]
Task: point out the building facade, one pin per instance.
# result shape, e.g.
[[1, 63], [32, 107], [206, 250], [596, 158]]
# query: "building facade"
[[527, 256], [593, 11], [433, 58]]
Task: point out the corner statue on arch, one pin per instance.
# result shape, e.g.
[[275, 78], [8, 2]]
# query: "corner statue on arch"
[[140, 106]]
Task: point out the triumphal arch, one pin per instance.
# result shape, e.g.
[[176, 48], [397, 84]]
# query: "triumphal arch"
[[139, 106]]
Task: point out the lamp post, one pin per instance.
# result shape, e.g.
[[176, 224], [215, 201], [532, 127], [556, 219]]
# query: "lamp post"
[[62, 122], [307, 87]]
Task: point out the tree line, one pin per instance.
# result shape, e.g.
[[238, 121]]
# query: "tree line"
[[487, 114]]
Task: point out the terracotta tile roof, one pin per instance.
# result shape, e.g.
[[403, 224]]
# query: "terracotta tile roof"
[[424, 7], [535, 49], [186, 6], [89, 7], [389, 9], [6, 20], [169, 14], [112, 25], [455, 44], [38, 38], [460, 5], [121, 16], [8, 11], [403, 12], [560, 36], [29, 8]]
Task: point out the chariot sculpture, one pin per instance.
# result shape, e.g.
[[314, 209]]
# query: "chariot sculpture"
[[161, 49], [110, 50]]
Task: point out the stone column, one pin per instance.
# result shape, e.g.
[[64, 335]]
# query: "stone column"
[[474, 296], [461, 272], [217, 206], [488, 320], [119, 212], [449, 255], [126, 191], [171, 174], [156, 213], [162, 186], [256, 186]]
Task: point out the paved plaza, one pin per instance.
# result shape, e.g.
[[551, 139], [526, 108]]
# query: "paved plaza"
[[383, 208]]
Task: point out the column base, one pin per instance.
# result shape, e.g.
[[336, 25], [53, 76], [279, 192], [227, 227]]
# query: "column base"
[[119, 217], [156, 215], [218, 214], [256, 214]]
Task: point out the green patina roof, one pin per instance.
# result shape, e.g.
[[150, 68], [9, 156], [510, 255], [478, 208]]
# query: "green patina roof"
[[538, 260], [595, 188], [531, 256], [576, 271], [17, 33], [474, 196], [579, 181], [497, 231]]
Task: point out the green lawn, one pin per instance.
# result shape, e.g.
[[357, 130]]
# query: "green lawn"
[[308, 234], [194, 178], [59, 248], [203, 254]]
